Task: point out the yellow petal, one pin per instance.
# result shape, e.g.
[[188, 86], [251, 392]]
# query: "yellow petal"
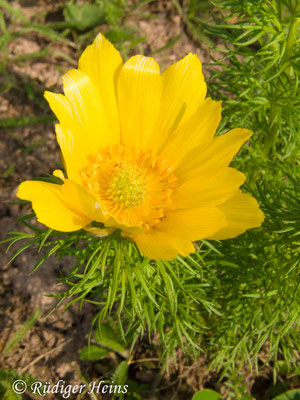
[[84, 128], [194, 224], [102, 63], [160, 245], [59, 174], [65, 140], [242, 212], [201, 190], [99, 232], [139, 93], [59, 104], [50, 207], [74, 157], [197, 131], [88, 110], [82, 202], [174, 235], [216, 156], [183, 90]]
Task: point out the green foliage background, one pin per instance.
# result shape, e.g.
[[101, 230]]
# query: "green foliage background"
[[236, 300]]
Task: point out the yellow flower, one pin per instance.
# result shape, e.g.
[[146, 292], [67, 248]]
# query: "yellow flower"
[[139, 151]]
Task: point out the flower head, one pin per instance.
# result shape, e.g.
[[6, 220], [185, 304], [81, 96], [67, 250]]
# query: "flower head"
[[140, 155]]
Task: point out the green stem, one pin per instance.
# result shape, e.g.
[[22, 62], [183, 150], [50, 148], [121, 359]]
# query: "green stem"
[[292, 35], [272, 129], [274, 113]]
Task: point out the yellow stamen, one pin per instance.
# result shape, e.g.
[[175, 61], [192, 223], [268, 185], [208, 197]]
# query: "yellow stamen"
[[134, 189], [127, 186]]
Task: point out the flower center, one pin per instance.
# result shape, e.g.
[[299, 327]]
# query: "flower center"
[[127, 186], [133, 189]]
